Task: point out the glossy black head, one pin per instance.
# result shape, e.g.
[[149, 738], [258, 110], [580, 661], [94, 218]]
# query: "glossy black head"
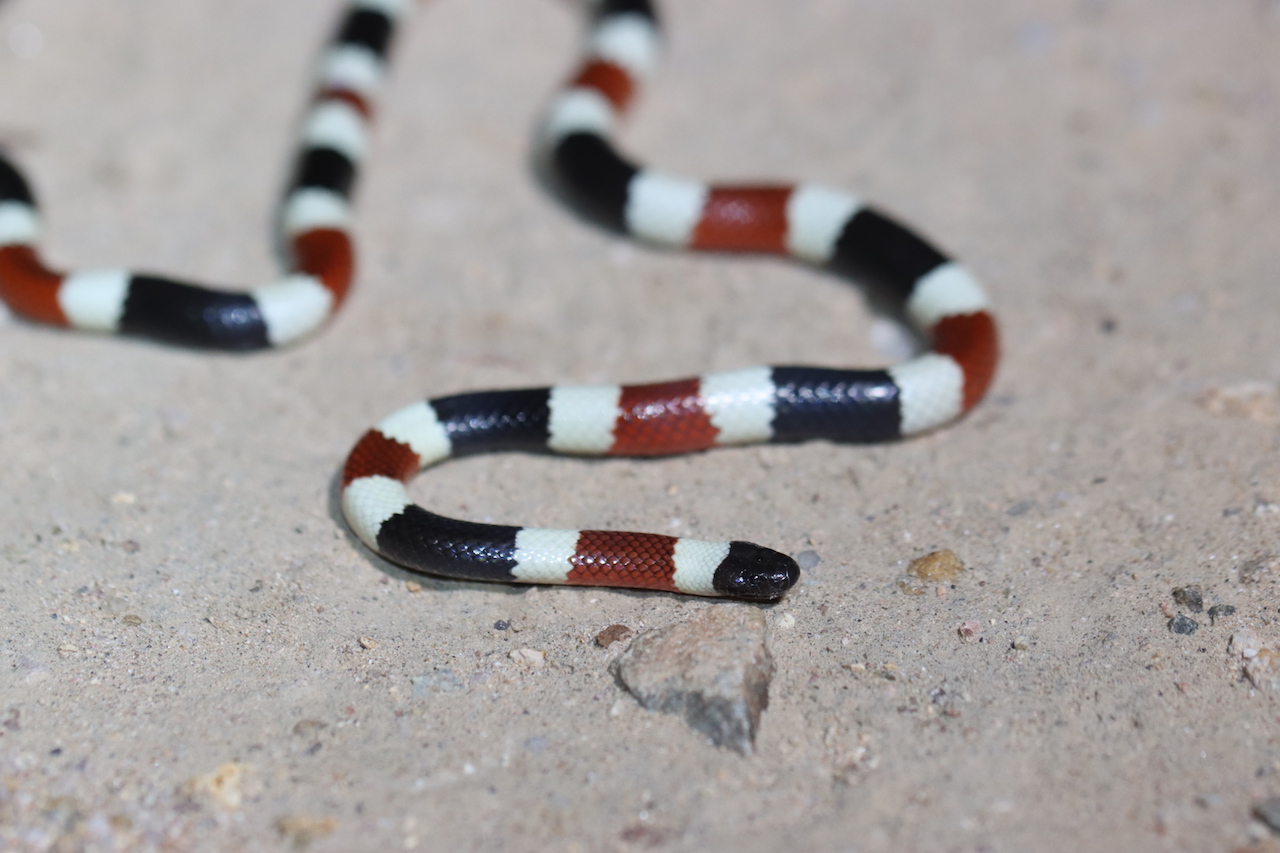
[[754, 573]]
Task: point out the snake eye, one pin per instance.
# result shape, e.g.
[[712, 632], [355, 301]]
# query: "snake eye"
[[754, 573]]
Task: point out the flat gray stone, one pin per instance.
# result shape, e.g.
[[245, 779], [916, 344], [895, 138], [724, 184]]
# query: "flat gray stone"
[[1268, 811], [713, 669]]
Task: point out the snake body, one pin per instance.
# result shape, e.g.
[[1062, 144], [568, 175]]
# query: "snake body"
[[822, 227], [313, 220]]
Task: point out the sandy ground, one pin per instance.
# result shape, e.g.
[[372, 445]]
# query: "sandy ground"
[[183, 608]]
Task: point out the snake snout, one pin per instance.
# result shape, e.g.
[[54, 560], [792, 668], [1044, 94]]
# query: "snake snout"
[[755, 573]]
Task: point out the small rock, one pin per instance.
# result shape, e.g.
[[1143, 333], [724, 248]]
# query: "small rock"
[[68, 649], [1209, 801], [1256, 401], [442, 680], [1020, 508], [224, 785], [1218, 610], [644, 835], [413, 586], [613, 634], [1268, 811], [911, 586], [939, 566], [368, 643], [1243, 645], [308, 728], [132, 620], [1181, 624], [1252, 571], [807, 560], [787, 620], [501, 625], [1189, 597], [968, 629], [1021, 644], [1263, 670], [301, 831], [713, 669], [532, 658]]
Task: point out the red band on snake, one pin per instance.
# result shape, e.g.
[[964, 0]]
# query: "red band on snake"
[[314, 219], [822, 227]]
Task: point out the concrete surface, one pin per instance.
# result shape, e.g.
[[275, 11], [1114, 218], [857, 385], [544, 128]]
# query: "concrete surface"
[[182, 663]]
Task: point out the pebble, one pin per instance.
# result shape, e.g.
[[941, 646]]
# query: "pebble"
[[1263, 670], [1189, 597], [1268, 811], [968, 629], [368, 643], [1252, 571], [308, 728], [532, 658], [613, 634], [132, 620], [1021, 644], [224, 785], [1219, 610], [713, 669], [911, 586], [1243, 645], [1249, 399], [807, 560], [938, 566], [1181, 624], [413, 586], [301, 831]]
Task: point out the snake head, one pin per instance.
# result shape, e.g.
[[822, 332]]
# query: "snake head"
[[754, 573]]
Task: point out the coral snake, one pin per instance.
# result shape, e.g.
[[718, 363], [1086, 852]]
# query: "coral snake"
[[313, 220], [822, 227]]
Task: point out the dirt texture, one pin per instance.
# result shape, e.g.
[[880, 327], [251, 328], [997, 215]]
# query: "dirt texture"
[[197, 655]]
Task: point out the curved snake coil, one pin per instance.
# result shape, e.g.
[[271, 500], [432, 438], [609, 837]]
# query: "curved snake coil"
[[819, 226], [314, 217]]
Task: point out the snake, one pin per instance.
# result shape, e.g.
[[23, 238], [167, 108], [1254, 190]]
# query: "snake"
[[936, 297], [313, 222]]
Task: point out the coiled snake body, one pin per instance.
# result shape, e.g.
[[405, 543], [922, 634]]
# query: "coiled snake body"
[[816, 225], [819, 226], [314, 218]]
